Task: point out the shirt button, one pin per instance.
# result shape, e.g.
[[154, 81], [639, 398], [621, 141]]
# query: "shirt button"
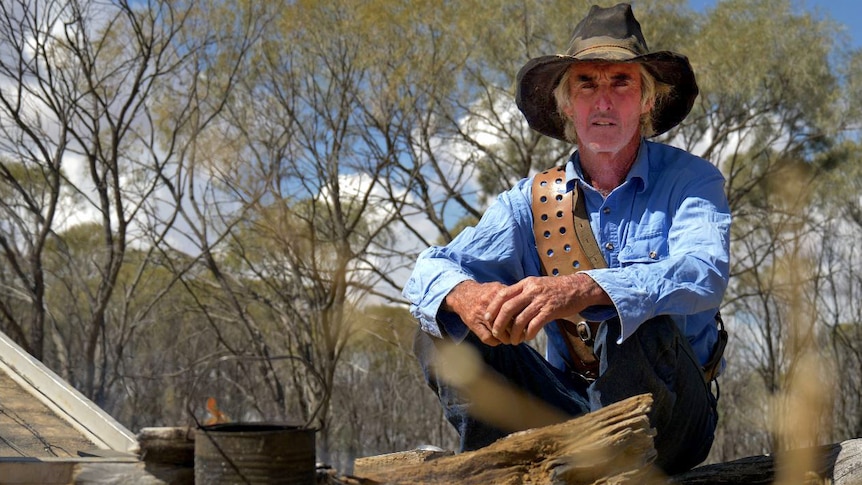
[[653, 255], [606, 210], [609, 246]]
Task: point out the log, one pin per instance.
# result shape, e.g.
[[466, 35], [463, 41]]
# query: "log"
[[837, 464], [169, 456], [379, 464], [613, 444], [173, 446]]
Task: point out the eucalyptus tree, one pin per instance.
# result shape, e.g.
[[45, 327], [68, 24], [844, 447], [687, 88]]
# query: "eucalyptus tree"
[[80, 83], [770, 112], [305, 145], [267, 170]]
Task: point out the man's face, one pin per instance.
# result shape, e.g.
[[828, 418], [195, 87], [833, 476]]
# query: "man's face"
[[605, 105]]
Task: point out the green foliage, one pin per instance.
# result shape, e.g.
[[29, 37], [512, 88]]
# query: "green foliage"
[[849, 70], [764, 65]]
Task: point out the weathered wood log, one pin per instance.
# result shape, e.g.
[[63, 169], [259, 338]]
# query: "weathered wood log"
[[175, 446], [613, 444], [836, 464], [379, 464]]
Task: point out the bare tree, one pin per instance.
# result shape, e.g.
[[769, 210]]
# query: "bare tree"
[[83, 141], [301, 231]]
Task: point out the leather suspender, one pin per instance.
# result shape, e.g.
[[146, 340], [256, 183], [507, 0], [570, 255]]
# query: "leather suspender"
[[559, 218], [566, 245]]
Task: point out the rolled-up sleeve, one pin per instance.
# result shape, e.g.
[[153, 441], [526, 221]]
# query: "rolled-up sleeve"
[[433, 278], [500, 248]]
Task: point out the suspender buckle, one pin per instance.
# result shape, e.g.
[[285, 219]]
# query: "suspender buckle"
[[585, 332]]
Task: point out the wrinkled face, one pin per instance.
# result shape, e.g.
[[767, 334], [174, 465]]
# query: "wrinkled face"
[[605, 105]]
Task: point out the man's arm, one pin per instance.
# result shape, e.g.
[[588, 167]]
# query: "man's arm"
[[499, 250]]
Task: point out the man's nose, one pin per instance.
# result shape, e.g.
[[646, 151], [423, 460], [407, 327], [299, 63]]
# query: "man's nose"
[[603, 99]]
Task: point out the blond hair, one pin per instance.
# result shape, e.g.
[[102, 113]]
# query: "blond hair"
[[652, 91]]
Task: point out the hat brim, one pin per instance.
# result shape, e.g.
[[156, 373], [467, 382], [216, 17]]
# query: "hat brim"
[[539, 77]]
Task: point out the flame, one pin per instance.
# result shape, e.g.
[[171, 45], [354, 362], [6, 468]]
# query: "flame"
[[216, 414]]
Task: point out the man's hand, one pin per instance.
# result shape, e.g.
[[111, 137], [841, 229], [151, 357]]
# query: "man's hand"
[[497, 313], [518, 312], [470, 299]]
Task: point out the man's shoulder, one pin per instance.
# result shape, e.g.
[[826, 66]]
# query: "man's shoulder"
[[671, 154], [513, 202], [664, 157]]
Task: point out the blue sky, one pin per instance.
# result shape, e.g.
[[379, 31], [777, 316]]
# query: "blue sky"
[[847, 12]]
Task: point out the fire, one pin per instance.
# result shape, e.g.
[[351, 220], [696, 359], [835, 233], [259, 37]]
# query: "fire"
[[216, 414]]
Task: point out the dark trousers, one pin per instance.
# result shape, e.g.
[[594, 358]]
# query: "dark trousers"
[[657, 359]]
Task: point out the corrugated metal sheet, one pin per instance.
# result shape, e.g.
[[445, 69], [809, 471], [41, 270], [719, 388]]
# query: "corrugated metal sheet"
[[41, 415]]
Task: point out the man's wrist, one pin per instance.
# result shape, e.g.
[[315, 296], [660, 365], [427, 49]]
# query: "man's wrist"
[[455, 298], [590, 291]]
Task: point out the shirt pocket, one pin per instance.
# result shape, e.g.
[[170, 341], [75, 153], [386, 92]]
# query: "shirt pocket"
[[648, 245]]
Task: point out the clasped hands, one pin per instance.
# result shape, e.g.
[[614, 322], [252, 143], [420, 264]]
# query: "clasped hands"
[[512, 314]]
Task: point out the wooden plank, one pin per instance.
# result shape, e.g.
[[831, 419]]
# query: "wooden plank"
[[139, 473], [373, 465], [91, 471]]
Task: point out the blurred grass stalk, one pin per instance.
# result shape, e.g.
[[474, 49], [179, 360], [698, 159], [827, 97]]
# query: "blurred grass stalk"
[[804, 403], [491, 398]]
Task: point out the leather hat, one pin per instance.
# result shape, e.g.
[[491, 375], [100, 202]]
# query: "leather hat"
[[611, 35]]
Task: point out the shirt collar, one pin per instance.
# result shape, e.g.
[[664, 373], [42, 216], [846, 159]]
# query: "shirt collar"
[[638, 172]]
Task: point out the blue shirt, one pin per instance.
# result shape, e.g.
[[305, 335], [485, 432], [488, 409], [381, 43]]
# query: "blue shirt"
[[664, 232]]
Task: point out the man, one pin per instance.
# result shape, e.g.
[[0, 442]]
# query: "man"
[[661, 221]]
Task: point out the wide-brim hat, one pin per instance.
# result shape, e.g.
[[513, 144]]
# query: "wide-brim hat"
[[605, 34]]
